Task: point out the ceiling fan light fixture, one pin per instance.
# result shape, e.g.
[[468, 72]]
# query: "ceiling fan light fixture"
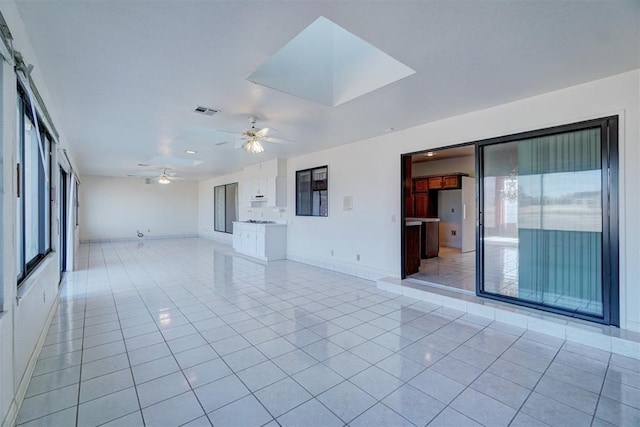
[[253, 146], [163, 180]]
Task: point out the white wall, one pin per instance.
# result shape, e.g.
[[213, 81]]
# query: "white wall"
[[25, 312], [465, 164], [116, 208], [372, 228], [205, 205]]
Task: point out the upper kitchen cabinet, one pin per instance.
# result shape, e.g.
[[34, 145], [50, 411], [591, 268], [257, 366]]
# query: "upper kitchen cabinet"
[[420, 185], [435, 183], [439, 182], [268, 192], [451, 182], [265, 184]]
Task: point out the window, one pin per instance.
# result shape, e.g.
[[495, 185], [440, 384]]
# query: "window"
[[225, 207], [547, 234], [33, 190], [311, 192]]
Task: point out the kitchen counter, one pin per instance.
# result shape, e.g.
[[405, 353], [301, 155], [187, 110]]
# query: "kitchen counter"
[[266, 241], [267, 223], [429, 235]]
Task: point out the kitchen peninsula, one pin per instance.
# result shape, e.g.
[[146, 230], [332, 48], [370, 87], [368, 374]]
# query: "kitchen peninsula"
[[429, 236], [264, 240]]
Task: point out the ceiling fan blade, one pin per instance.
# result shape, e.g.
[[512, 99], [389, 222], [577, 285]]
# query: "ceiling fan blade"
[[262, 132]]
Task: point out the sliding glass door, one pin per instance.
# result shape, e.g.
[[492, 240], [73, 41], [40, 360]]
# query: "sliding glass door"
[[548, 219]]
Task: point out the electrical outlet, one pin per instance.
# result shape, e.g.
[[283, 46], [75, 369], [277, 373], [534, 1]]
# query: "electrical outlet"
[[331, 252], [453, 232], [358, 257], [452, 210], [44, 297], [393, 219]]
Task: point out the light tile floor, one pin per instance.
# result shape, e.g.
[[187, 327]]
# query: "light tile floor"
[[450, 268], [182, 332]]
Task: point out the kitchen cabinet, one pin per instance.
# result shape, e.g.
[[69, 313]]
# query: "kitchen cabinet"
[[451, 182], [420, 185], [421, 205], [429, 241], [435, 182], [268, 192], [439, 182], [266, 242], [412, 248], [259, 188]]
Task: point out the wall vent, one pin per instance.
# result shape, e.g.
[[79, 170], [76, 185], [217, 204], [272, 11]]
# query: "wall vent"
[[205, 110], [147, 180]]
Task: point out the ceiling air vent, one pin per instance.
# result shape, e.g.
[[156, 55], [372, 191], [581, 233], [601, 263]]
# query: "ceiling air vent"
[[205, 110]]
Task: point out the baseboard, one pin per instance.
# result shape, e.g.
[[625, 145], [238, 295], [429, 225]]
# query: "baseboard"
[[608, 338], [141, 239], [363, 272], [12, 414]]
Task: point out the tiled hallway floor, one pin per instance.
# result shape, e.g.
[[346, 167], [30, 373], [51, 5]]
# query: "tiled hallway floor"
[[182, 332]]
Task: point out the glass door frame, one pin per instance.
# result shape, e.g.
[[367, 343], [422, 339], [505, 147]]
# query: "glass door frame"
[[610, 207]]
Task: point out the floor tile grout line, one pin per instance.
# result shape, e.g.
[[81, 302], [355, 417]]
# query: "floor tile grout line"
[[253, 301], [604, 380], [81, 360]]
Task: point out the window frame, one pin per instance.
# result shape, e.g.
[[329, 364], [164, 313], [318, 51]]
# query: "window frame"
[[323, 210], [224, 207], [42, 187], [610, 215]]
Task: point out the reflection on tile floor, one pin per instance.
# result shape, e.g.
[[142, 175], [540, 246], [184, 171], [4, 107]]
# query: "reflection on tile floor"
[[182, 332], [457, 270], [450, 268]]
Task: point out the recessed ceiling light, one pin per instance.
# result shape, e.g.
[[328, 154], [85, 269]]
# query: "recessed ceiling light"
[[143, 164], [190, 151], [430, 154]]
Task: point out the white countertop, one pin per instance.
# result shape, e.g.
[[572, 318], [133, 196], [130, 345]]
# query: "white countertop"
[[412, 223], [268, 224], [423, 219]]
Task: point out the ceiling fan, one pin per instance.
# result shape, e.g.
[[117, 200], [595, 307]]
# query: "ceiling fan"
[[252, 138], [164, 178]]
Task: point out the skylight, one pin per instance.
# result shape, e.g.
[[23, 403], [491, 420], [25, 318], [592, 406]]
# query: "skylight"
[[327, 64]]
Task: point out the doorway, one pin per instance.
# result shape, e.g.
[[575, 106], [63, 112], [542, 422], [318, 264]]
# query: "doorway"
[[548, 220], [440, 209], [62, 224], [545, 220]]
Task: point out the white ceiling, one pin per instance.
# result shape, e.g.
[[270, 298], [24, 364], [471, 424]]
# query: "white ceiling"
[[125, 76]]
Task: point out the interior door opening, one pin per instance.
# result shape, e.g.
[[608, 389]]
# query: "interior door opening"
[[544, 216], [439, 195]]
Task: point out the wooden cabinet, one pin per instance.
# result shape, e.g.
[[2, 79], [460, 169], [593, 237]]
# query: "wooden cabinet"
[[412, 248], [420, 185], [409, 205], [440, 182], [435, 182], [452, 181], [421, 205]]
